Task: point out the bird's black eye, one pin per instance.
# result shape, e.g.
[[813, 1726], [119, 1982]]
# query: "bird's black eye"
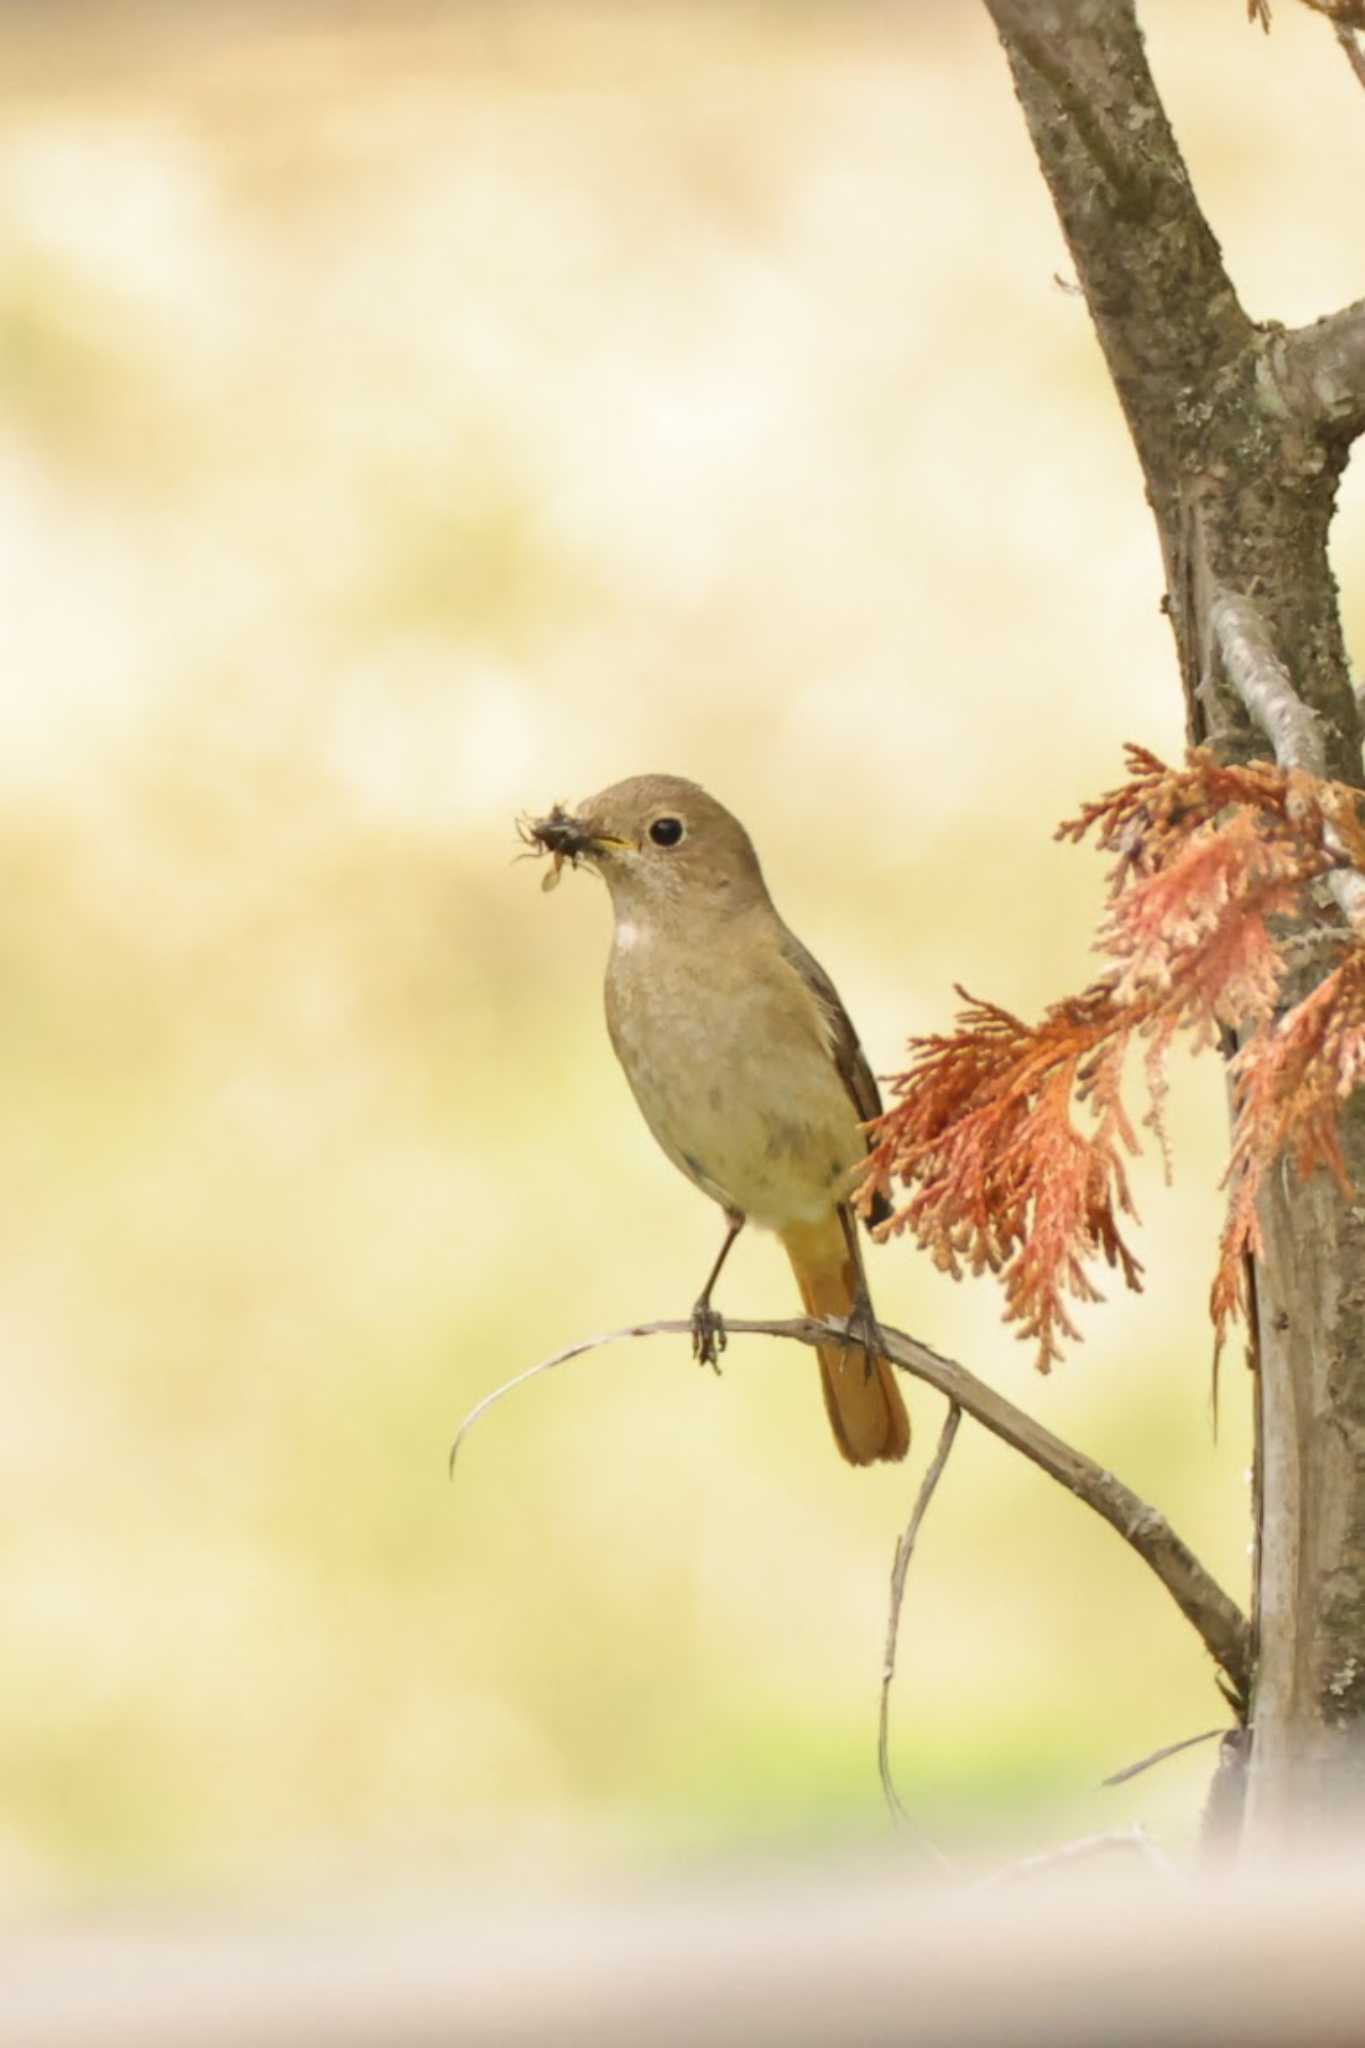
[[666, 831]]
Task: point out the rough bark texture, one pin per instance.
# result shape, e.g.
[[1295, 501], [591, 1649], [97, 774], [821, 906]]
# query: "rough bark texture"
[[1242, 432], [1309, 1714]]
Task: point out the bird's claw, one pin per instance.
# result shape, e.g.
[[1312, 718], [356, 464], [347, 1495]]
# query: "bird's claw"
[[864, 1330], [708, 1335]]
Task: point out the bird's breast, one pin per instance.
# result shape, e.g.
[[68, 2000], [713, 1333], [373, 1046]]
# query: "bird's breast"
[[724, 1050]]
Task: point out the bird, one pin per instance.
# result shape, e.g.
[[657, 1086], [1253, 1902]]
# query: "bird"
[[744, 1064]]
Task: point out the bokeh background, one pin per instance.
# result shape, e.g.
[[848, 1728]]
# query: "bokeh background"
[[414, 414]]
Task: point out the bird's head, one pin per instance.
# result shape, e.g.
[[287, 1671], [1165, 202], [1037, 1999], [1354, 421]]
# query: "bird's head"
[[656, 840]]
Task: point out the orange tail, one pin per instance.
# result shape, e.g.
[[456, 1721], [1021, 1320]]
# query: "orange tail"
[[865, 1409]]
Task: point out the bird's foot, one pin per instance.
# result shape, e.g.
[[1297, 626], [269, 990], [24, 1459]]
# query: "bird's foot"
[[865, 1331], [708, 1334]]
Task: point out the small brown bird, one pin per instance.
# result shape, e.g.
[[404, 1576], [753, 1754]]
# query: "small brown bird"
[[743, 1060]]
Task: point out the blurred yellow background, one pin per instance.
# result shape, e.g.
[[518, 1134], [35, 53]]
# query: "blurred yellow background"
[[416, 414]]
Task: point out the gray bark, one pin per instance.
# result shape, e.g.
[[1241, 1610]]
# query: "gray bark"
[[1242, 432]]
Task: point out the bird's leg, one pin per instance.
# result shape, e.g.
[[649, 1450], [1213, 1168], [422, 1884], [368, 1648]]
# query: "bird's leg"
[[862, 1321], [708, 1326]]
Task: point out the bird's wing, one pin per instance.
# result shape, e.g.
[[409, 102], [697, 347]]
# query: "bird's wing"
[[849, 1057]]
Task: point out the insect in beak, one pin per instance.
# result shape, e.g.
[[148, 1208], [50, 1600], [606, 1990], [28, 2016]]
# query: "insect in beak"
[[560, 835], [564, 838]]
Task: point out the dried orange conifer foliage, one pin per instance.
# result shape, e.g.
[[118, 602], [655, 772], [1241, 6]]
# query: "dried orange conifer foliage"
[[1011, 1137]]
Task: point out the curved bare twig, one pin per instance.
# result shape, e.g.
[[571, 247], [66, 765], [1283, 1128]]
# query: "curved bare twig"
[[900, 1565], [1219, 1622]]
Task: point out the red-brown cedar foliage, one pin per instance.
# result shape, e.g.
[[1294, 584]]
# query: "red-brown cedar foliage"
[[1011, 1137]]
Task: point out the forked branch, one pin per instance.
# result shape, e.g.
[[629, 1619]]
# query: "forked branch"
[[1219, 1622]]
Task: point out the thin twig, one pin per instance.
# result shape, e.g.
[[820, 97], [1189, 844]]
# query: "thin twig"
[[533, 1372], [900, 1565], [1159, 1756], [1136, 1838], [1219, 1622]]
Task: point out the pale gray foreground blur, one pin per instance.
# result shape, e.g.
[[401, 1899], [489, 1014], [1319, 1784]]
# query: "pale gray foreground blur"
[[1082, 1961]]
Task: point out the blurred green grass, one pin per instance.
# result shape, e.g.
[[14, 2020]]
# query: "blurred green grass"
[[414, 416]]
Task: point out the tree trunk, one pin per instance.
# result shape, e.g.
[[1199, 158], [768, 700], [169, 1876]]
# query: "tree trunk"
[[1308, 1755], [1242, 432]]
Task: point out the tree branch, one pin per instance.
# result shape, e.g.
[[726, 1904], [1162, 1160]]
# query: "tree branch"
[[1345, 16], [1218, 1621], [1355, 56], [1223, 414], [1262, 682], [1319, 370], [1126, 206]]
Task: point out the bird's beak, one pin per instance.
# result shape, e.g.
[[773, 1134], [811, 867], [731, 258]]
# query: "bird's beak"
[[596, 842]]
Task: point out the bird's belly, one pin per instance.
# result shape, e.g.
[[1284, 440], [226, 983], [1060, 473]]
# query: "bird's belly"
[[760, 1121]]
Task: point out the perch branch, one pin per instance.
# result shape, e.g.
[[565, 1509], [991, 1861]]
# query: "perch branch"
[[905, 1550], [1219, 1622]]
